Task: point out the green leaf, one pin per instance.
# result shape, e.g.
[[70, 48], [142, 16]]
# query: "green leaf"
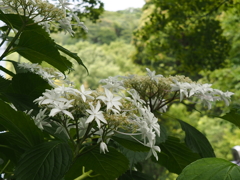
[[11, 146], [24, 89], [210, 168], [129, 143], [135, 175], [71, 54], [133, 156], [52, 131], [16, 67], [48, 161], [175, 156], [105, 166], [163, 135], [36, 48], [233, 116], [196, 141], [20, 125], [15, 21]]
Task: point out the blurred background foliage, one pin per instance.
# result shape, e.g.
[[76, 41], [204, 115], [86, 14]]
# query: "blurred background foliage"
[[200, 39]]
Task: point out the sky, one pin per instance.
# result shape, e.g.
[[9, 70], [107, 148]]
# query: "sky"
[[115, 5]]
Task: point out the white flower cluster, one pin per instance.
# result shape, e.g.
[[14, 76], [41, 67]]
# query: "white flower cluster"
[[125, 105], [100, 113], [44, 13], [204, 92]]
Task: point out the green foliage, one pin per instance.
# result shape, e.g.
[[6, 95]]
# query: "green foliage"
[[175, 156], [233, 116], [181, 34], [135, 175], [25, 131], [48, 160], [196, 141], [211, 168], [102, 61], [104, 166], [23, 89]]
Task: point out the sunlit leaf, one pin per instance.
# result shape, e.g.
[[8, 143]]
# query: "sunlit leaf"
[[233, 116], [196, 141], [210, 168]]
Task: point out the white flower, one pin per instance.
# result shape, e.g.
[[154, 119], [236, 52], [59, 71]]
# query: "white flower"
[[225, 96], [85, 94], [61, 107], [103, 147], [152, 75], [181, 87], [64, 5], [113, 83], [65, 24], [154, 150], [95, 114], [39, 119], [82, 126], [49, 97], [136, 99], [106, 138], [151, 120], [111, 101]]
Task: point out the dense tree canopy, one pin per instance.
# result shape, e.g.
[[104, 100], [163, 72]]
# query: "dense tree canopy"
[[182, 36]]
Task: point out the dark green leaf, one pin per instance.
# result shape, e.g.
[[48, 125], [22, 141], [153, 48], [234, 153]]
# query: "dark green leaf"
[[20, 125], [210, 168], [106, 166], [15, 21], [16, 67], [52, 131], [130, 143], [233, 116], [71, 54], [175, 156], [48, 161], [36, 48], [11, 146], [163, 135], [24, 89], [196, 141], [133, 156], [135, 175]]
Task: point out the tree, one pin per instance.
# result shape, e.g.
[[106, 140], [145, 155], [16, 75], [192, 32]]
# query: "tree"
[[182, 36]]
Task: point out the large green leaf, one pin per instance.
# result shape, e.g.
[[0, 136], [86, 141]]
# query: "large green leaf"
[[24, 89], [134, 157], [210, 169], [48, 161], [175, 156], [163, 135], [36, 48], [20, 125], [15, 21], [129, 143], [196, 141], [106, 166], [233, 116], [71, 54]]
